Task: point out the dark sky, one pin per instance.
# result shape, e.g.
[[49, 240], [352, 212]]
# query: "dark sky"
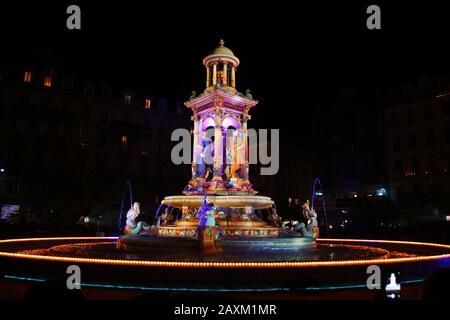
[[293, 56]]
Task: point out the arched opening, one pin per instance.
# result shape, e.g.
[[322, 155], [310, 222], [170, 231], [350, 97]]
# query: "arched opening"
[[230, 121], [208, 122]]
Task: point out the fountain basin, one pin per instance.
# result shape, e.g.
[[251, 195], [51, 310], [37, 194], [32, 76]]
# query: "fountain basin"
[[279, 241], [194, 201], [332, 265]]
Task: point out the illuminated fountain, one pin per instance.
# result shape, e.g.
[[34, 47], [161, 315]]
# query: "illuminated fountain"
[[175, 254], [220, 173]]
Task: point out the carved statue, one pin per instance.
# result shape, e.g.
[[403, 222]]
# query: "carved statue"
[[207, 157], [131, 226], [211, 220], [248, 94], [247, 215], [221, 215], [167, 217], [311, 229], [311, 215], [202, 213], [274, 218], [228, 158], [186, 213]]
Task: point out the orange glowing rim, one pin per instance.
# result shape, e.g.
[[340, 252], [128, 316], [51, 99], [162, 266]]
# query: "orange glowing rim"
[[177, 264]]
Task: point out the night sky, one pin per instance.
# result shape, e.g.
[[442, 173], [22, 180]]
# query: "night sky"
[[293, 57]]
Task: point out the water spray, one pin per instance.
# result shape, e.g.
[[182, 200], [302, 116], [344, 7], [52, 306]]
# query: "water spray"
[[313, 196], [127, 184]]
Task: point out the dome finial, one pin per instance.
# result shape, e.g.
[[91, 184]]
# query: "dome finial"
[[221, 43]]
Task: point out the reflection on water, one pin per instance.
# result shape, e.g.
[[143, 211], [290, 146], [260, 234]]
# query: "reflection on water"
[[322, 252]]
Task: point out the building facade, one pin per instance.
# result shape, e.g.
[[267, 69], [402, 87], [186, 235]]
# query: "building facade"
[[349, 143], [417, 128], [72, 143]]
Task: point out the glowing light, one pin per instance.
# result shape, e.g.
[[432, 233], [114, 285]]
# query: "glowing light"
[[392, 285], [27, 77], [354, 286], [177, 264], [57, 239], [48, 81], [2, 170], [148, 103], [381, 192], [442, 95], [25, 278]]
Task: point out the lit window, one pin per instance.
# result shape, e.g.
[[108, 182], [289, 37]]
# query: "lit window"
[[124, 141], [27, 77], [127, 99], [48, 81], [148, 103]]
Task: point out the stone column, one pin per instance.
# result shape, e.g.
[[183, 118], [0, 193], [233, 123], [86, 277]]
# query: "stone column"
[[240, 151], [195, 147], [245, 135], [233, 77], [214, 75], [231, 147], [218, 146], [208, 80], [225, 74], [232, 152]]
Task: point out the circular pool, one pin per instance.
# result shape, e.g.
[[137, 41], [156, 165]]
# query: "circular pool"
[[332, 263]]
